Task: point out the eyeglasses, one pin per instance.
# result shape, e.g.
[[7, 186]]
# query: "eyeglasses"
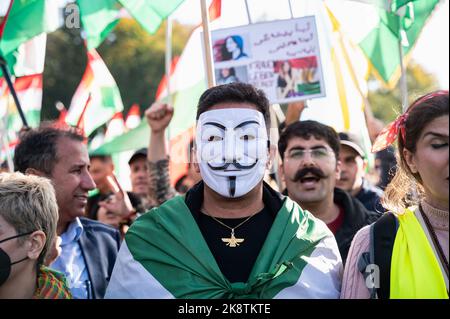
[[316, 153]]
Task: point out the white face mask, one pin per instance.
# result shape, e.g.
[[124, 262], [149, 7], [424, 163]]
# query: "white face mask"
[[232, 150]]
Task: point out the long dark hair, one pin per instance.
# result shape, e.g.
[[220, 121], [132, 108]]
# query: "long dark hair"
[[425, 109]]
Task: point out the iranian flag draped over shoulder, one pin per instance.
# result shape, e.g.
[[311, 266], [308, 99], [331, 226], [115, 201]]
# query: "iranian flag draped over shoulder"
[[164, 255]]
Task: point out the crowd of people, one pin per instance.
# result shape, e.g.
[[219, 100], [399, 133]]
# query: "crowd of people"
[[69, 230]]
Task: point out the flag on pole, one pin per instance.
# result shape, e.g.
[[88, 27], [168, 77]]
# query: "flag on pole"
[[30, 57], [29, 93], [25, 20], [377, 27], [150, 14], [98, 18], [188, 82], [133, 117], [116, 127], [345, 80], [98, 83]]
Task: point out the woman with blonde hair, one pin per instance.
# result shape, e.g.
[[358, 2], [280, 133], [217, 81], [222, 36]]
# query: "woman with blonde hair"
[[28, 217], [405, 253]]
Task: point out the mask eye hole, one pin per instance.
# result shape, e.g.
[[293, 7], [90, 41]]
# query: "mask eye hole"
[[247, 137], [214, 138]]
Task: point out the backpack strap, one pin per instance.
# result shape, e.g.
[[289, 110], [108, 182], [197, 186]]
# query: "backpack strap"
[[382, 238]]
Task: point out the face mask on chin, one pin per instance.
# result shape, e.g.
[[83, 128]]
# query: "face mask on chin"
[[232, 150], [5, 260]]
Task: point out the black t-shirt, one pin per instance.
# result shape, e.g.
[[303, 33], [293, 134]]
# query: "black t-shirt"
[[236, 263]]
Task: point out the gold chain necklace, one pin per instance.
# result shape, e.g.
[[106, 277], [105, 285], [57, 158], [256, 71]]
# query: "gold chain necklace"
[[232, 241]]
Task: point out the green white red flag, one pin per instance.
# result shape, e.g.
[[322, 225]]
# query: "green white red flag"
[[105, 99]]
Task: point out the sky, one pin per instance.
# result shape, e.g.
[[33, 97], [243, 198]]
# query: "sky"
[[431, 50]]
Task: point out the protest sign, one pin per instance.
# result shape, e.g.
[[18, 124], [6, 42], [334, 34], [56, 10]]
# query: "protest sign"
[[280, 57]]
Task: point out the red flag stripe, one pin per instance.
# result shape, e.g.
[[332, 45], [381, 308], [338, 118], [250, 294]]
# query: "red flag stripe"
[[117, 116], [215, 10], [134, 111], [25, 82], [2, 26], [163, 84]]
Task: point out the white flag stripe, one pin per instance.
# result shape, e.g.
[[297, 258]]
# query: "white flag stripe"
[[141, 285], [30, 99], [321, 278], [31, 56]]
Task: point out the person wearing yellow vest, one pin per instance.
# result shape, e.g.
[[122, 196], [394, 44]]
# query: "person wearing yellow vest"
[[417, 258]]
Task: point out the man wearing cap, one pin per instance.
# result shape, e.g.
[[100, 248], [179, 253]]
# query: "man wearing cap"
[[353, 167], [139, 175]]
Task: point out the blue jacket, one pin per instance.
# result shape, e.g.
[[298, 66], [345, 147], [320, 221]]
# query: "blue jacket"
[[99, 244]]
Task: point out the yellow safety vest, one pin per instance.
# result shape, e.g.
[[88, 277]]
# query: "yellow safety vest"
[[415, 271]]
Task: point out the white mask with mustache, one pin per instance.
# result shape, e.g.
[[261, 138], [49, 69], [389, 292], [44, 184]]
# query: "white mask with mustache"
[[232, 150]]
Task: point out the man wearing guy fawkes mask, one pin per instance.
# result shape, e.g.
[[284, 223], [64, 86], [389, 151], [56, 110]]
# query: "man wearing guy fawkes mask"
[[231, 236]]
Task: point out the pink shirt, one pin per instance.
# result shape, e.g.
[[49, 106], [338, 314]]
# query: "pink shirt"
[[353, 283]]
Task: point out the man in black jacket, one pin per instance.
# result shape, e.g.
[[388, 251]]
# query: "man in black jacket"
[[310, 152], [88, 248], [353, 167]]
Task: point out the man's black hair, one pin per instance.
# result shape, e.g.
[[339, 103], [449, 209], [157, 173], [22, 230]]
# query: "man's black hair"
[[38, 147], [236, 92]]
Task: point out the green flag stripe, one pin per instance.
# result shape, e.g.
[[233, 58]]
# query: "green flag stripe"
[[188, 269], [99, 18], [381, 45], [27, 19], [150, 14]]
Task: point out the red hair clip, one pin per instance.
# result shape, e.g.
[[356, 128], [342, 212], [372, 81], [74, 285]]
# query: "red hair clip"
[[390, 133]]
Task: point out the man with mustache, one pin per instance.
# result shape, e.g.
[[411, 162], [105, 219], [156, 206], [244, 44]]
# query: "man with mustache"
[[88, 248], [310, 169], [231, 235]]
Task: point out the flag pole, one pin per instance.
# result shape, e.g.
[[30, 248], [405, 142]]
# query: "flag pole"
[[274, 135], [4, 143], [168, 57], [403, 82], [168, 68], [290, 9], [81, 118], [207, 45], [7, 76], [402, 38], [248, 12]]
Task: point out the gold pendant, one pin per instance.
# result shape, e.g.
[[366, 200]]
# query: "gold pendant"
[[233, 241]]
